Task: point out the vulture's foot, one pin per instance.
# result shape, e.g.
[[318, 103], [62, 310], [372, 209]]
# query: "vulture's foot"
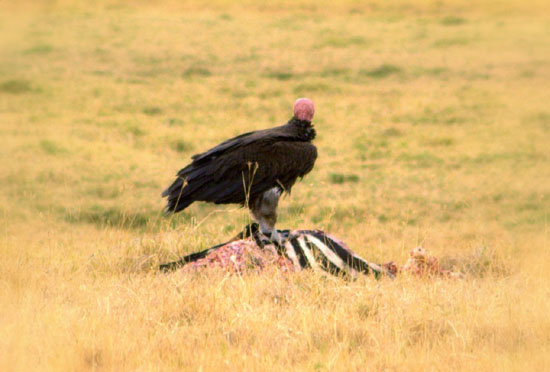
[[269, 237], [276, 238], [266, 237]]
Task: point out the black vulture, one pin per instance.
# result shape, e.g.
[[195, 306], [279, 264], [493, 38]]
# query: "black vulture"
[[252, 169]]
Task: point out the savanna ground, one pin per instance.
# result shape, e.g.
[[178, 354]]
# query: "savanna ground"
[[433, 124]]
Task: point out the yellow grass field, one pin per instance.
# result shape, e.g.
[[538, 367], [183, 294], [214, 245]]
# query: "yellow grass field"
[[433, 121]]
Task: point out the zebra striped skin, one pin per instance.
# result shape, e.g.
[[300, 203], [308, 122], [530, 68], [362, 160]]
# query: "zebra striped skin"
[[306, 249]]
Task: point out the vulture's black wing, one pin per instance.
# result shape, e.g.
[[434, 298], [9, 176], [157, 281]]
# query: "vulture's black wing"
[[245, 139], [241, 169], [225, 146]]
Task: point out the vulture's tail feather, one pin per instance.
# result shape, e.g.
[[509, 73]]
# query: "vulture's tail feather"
[[179, 195], [193, 183]]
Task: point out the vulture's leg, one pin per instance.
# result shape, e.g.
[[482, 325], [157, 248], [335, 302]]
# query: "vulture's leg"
[[264, 211]]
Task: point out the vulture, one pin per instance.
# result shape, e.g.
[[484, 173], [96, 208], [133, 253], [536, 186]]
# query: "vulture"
[[252, 169]]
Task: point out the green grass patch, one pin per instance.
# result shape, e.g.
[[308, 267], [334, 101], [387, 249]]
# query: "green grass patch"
[[296, 209], [382, 71], [513, 156], [541, 119], [270, 93], [453, 21], [420, 160], [16, 86], [438, 141], [279, 75], [110, 217], [196, 71], [392, 132], [373, 147], [175, 122], [434, 72], [335, 72], [39, 49], [447, 115], [339, 178], [307, 88], [181, 146], [134, 129], [152, 110], [335, 41], [333, 216], [52, 147]]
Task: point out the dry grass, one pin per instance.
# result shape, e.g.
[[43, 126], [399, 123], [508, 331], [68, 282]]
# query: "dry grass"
[[433, 124]]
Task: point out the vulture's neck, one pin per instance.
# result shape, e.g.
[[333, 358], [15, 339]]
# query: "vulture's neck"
[[302, 129]]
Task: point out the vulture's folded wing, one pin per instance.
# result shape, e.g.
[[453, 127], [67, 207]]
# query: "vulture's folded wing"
[[258, 168], [242, 174], [259, 137]]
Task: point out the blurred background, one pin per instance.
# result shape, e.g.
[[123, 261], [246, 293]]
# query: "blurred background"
[[433, 124]]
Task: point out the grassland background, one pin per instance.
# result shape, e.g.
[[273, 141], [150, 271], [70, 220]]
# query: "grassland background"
[[433, 124]]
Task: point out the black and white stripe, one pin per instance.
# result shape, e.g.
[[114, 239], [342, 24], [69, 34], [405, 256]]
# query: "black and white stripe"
[[306, 249], [319, 251]]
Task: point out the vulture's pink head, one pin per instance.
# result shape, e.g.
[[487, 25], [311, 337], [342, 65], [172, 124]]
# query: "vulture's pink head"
[[304, 109]]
